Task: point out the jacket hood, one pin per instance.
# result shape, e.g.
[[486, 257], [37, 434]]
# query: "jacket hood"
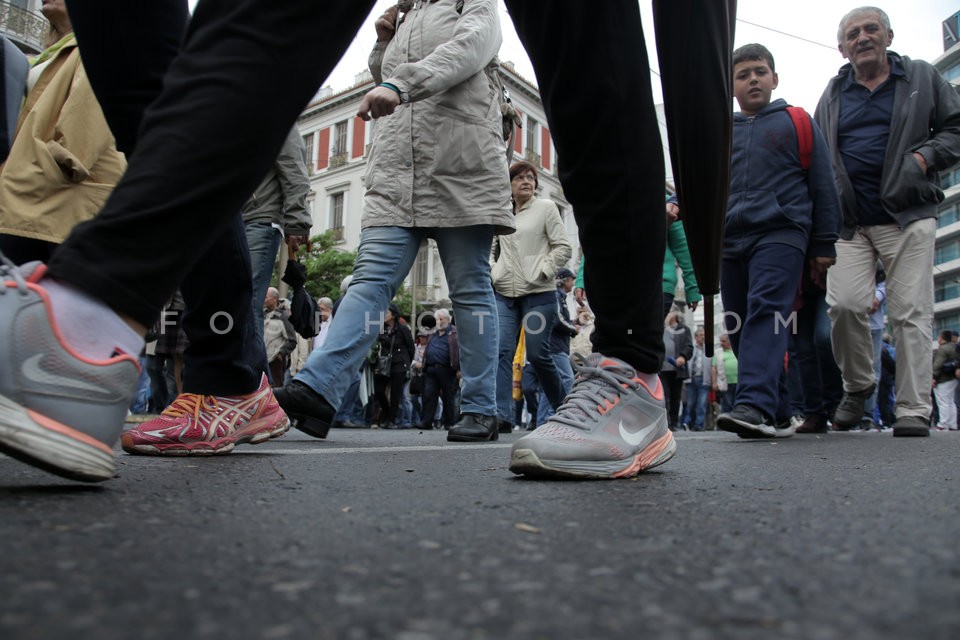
[[776, 105]]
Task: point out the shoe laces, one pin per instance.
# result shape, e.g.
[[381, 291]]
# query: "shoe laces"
[[10, 270], [596, 389], [193, 404]]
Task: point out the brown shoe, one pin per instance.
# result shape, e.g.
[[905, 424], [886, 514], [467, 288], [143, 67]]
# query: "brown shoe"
[[813, 424], [911, 427]]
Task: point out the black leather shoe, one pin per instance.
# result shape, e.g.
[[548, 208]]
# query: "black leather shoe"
[[504, 426], [474, 428], [911, 427], [308, 410]]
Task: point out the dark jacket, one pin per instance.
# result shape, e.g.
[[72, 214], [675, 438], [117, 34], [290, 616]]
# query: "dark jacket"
[[772, 200], [926, 119], [400, 340], [947, 352], [453, 346], [564, 328]]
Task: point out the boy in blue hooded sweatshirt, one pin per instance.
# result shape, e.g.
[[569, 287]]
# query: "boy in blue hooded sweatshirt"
[[779, 217]]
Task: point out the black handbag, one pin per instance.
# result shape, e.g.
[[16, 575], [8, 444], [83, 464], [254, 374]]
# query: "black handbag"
[[303, 309], [416, 382], [385, 361]]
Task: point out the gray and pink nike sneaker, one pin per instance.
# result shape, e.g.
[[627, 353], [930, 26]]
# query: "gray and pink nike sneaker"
[[612, 425], [59, 411]]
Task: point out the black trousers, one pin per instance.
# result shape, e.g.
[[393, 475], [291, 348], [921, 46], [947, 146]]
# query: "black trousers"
[[389, 393], [225, 355], [672, 395], [247, 68], [439, 382]]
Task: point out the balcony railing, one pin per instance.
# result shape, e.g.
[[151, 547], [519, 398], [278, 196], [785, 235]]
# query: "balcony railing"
[[338, 160], [532, 157], [337, 233], [25, 29]]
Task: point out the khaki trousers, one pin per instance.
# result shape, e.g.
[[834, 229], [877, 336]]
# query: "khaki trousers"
[[907, 257]]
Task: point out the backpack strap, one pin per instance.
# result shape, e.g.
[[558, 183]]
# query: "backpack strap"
[[801, 122]]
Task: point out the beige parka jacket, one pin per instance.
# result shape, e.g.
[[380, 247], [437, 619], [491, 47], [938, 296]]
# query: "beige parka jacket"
[[439, 160], [527, 261], [63, 162]]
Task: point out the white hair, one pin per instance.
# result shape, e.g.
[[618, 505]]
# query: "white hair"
[[884, 19]]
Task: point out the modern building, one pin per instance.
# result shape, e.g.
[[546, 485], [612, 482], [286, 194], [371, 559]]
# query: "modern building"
[[23, 24], [946, 262], [338, 142]]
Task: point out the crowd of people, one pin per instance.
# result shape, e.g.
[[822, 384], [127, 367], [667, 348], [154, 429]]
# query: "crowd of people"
[[814, 205]]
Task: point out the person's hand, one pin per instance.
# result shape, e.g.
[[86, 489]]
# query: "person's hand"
[[579, 296], [680, 361], [386, 24], [693, 306], [875, 306], [294, 242], [822, 263], [921, 161], [673, 212], [379, 102]]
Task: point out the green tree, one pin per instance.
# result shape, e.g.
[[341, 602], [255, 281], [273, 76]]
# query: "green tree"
[[326, 266]]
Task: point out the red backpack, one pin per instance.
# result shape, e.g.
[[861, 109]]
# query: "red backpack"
[[801, 121]]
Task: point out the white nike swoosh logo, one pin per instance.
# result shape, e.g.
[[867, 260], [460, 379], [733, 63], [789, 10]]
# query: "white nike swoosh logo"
[[32, 371], [636, 437]]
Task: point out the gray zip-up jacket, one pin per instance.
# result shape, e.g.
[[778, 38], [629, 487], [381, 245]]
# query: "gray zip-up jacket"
[[926, 120], [281, 197], [439, 159]]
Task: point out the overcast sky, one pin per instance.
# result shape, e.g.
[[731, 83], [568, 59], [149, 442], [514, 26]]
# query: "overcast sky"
[[804, 67]]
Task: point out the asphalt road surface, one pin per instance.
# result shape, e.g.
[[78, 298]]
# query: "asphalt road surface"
[[400, 535]]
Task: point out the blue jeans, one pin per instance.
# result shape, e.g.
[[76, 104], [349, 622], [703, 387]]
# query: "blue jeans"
[[870, 411], [695, 404], [383, 261], [538, 313], [141, 398], [728, 398], [350, 408], [163, 383], [264, 241], [565, 369]]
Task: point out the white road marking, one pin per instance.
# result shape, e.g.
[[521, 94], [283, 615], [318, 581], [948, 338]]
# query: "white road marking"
[[332, 450]]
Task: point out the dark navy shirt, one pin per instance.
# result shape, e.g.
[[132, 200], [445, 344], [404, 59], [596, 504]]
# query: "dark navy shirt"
[[438, 349], [862, 135]]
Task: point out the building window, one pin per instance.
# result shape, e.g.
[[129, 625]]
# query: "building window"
[[950, 177], [949, 215], [946, 290], [532, 152], [950, 322], [339, 156], [948, 252], [308, 151], [335, 220]]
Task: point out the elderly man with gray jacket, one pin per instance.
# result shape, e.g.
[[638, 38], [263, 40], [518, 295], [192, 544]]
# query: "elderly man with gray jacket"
[[892, 124], [437, 169]]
